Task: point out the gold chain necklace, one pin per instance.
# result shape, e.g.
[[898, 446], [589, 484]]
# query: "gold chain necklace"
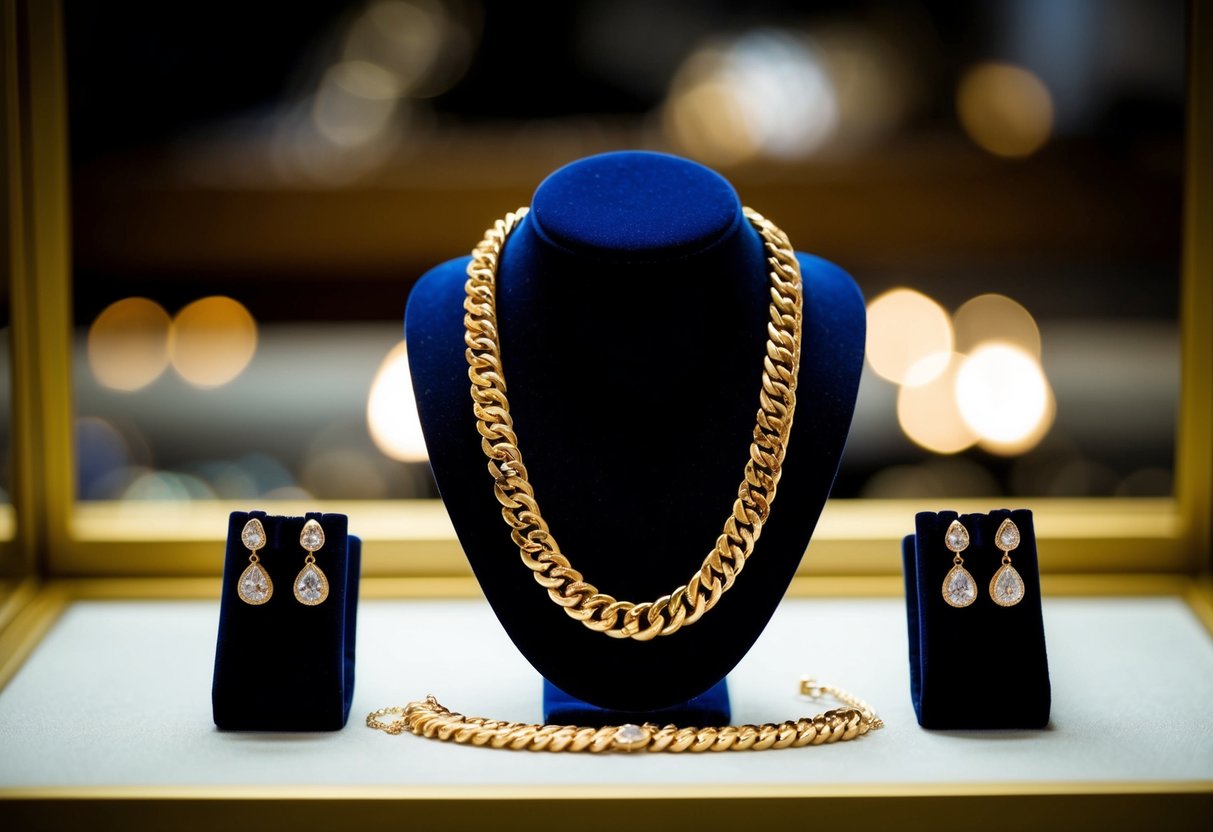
[[427, 718], [538, 548]]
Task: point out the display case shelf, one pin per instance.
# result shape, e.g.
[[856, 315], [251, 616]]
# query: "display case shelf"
[[109, 717]]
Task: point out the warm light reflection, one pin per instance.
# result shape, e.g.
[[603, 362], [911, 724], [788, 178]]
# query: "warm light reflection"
[[767, 93], [928, 413], [426, 45], [128, 344], [909, 337], [391, 410], [212, 340], [1003, 396], [354, 103], [166, 485], [1029, 440], [1005, 109], [995, 318]]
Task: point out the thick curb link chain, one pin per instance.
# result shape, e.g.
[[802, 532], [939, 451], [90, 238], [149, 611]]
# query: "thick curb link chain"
[[540, 553], [428, 718]]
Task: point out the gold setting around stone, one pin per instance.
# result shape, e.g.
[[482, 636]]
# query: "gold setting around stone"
[[1006, 587], [959, 588], [311, 584], [254, 585]]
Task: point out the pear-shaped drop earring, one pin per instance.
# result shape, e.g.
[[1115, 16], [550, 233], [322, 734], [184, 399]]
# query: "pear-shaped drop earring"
[[254, 586], [311, 585], [1006, 587], [959, 588]]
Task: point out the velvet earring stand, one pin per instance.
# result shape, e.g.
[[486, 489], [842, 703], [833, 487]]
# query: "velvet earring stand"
[[632, 309], [980, 666], [282, 665]]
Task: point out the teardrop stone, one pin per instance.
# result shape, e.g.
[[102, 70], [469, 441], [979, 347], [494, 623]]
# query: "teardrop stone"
[[957, 537], [312, 536], [253, 535], [311, 587], [254, 586], [1007, 537], [959, 588], [1006, 587]]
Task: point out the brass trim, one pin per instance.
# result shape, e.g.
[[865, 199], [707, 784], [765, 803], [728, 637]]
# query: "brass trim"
[[24, 632], [1001, 806], [544, 793], [457, 587], [16, 556], [1193, 438], [415, 538], [42, 418]]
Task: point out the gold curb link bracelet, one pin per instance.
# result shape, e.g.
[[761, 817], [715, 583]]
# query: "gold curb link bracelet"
[[540, 553], [427, 718]]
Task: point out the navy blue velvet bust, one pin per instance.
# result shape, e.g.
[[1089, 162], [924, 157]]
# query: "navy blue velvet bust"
[[632, 308]]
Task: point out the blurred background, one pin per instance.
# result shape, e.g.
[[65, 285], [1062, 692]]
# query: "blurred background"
[[256, 187]]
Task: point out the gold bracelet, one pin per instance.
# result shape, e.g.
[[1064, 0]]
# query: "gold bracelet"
[[540, 553], [427, 718]]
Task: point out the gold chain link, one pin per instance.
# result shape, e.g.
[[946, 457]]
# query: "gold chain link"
[[427, 718], [540, 553]]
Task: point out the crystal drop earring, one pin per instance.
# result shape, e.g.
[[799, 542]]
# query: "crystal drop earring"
[[311, 584], [254, 586], [959, 588], [1006, 587]]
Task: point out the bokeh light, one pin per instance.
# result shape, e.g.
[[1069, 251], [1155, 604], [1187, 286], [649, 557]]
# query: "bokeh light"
[[212, 340], [344, 473], [355, 103], [929, 415], [1005, 109], [910, 337], [391, 410], [995, 318], [166, 486], [1003, 396], [425, 44], [128, 344], [766, 93]]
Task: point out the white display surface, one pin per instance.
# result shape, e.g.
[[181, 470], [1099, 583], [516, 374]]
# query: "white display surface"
[[118, 694]]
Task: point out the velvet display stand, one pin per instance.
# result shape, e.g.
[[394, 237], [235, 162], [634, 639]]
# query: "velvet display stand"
[[980, 666], [632, 312], [282, 665]]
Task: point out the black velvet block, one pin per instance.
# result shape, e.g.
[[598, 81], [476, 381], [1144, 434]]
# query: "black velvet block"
[[282, 665], [980, 666], [632, 306], [709, 708]]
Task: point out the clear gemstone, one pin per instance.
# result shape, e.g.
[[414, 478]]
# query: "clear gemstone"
[[959, 588], [629, 735], [310, 585], [253, 535], [1007, 586], [312, 537], [957, 537], [254, 586], [1008, 535]]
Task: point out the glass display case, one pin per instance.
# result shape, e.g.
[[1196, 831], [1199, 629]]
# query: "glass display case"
[[205, 223]]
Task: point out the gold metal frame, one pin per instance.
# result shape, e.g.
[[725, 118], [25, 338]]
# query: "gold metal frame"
[[1000, 806], [60, 537], [1155, 545]]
